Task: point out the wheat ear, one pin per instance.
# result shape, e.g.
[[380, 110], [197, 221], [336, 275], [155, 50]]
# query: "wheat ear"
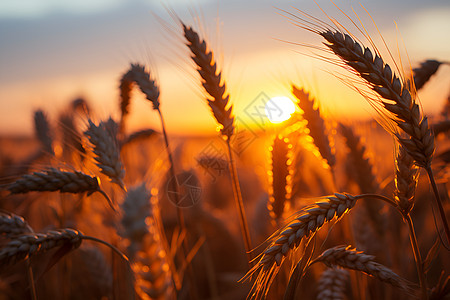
[[125, 87], [396, 98], [316, 124], [146, 84], [350, 258], [12, 225], [139, 136], [71, 137], [146, 251], [53, 180], [406, 178], [30, 244], [363, 172], [218, 102], [106, 150], [211, 81], [97, 269], [424, 72], [332, 284], [306, 222], [42, 131], [280, 177]]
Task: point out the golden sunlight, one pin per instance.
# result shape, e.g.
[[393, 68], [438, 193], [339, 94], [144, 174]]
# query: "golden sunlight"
[[279, 109]]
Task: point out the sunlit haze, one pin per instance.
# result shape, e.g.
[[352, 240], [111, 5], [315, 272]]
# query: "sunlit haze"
[[279, 109], [55, 51]]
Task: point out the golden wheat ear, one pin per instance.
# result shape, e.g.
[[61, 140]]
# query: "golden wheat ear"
[[396, 98], [316, 124], [406, 178], [211, 81], [280, 191]]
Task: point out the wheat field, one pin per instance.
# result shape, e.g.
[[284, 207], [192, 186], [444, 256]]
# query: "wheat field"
[[317, 208]]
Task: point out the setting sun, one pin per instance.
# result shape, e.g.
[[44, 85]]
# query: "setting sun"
[[279, 109]]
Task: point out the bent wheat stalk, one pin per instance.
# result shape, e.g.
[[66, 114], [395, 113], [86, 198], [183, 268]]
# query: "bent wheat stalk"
[[303, 227], [396, 99], [222, 111]]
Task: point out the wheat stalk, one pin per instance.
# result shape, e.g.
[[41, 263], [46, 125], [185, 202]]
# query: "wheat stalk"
[[80, 105], [424, 72], [146, 251], [146, 84], [332, 284], [218, 102], [12, 225], [53, 180], [395, 98], [30, 244], [350, 258], [362, 169], [71, 137], [125, 86], [306, 222], [139, 136], [406, 178], [97, 269], [211, 81], [280, 177], [105, 147], [42, 131], [363, 174], [316, 124]]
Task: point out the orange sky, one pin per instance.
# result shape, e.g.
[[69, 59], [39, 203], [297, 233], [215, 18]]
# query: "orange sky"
[[44, 66]]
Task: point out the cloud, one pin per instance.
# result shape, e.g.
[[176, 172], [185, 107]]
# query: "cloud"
[[41, 8]]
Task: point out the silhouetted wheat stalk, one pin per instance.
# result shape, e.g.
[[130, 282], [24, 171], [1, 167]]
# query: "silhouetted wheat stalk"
[[150, 89], [42, 130], [304, 225], [222, 111], [280, 177], [424, 72], [396, 99], [53, 180]]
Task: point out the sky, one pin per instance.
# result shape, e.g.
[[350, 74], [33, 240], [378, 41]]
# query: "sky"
[[54, 51]]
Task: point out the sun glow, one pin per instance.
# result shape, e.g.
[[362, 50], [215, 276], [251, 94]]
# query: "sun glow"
[[279, 109]]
